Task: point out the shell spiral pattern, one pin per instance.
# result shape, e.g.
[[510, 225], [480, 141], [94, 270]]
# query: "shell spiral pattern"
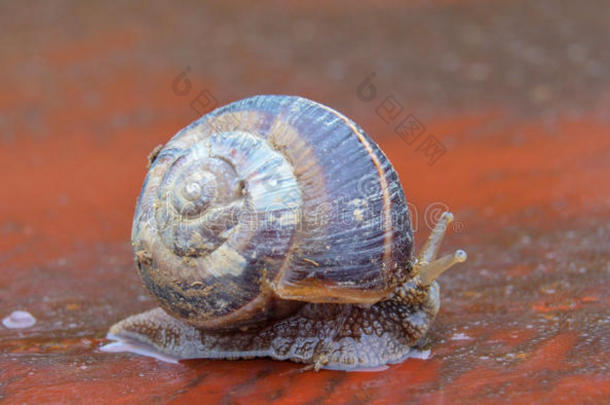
[[256, 191]]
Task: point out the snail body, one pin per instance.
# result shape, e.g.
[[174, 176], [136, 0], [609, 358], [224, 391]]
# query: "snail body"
[[274, 226]]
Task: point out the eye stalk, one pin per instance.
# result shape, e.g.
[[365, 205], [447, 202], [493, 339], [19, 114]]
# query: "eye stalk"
[[192, 191], [427, 266]]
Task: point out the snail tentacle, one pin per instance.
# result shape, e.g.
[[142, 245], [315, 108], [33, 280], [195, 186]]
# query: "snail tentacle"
[[426, 267]]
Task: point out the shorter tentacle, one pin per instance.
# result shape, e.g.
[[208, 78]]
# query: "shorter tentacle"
[[430, 271]]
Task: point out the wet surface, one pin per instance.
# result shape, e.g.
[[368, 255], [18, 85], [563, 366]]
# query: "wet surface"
[[517, 94]]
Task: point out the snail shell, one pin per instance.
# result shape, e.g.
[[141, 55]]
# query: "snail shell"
[[265, 204]]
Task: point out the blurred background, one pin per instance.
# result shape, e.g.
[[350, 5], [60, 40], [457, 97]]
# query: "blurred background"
[[515, 96]]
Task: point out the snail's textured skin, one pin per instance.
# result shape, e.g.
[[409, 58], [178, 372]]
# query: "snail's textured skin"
[[334, 336], [275, 226]]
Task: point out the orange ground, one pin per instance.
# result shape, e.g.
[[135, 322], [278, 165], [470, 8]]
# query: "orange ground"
[[520, 102]]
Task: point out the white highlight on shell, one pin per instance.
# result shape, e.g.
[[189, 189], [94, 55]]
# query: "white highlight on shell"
[[224, 260], [19, 320], [192, 191]]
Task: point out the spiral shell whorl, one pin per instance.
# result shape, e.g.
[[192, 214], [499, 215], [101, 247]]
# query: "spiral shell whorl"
[[224, 207]]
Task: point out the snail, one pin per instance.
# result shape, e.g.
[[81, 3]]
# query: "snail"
[[275, 227]]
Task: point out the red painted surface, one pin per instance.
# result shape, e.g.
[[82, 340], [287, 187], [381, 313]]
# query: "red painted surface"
[[520, 102]]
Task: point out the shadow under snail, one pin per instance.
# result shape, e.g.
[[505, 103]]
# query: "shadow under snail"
[[274, 226]]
